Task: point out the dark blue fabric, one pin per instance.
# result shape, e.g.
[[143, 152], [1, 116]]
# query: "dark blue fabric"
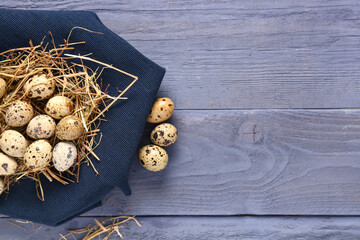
[[122, 131]]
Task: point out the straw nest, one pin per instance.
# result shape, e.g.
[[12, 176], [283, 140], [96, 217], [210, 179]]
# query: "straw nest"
[[73, 80]]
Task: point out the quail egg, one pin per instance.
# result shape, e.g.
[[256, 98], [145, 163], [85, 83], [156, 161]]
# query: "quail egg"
[[164, 135], [19, 114], [38, 155], [153, 158], [40, 87], [69, 128], [59, 107], [8, 165], [161, 110], [41, 127], [2, 87], [2, 186], [64, 155], [13, 143]]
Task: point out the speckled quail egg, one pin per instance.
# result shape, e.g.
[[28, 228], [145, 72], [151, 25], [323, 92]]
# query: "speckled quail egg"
[[2, 87], [59, 107], [161, 110], [164, 135], [2, 186], [64, 155], [69, 128], [153, 158], [41, 127], [13, 143], [38, 155], [8, 165], [40, 87], [19, 114]]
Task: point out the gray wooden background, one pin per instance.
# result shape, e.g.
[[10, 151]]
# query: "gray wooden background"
[[267, 107]]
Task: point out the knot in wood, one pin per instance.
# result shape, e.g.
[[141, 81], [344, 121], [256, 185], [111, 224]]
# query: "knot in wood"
[[251, 132]]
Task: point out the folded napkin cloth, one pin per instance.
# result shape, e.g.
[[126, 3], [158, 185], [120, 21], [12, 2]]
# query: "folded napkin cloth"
[[126, 118]]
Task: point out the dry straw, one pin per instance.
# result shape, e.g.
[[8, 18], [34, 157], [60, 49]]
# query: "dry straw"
[[74, 80], [104, 228], [101, 229]]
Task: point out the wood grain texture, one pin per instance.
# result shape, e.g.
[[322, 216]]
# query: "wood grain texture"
[[205, 228], [301, 163], [240, 54]]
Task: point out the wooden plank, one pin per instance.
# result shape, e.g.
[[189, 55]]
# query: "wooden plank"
[[301, 163], [204, 228], [240, 54], [297, 163]]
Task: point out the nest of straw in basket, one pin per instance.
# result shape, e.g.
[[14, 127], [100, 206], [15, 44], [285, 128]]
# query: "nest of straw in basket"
[[73, 80]]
